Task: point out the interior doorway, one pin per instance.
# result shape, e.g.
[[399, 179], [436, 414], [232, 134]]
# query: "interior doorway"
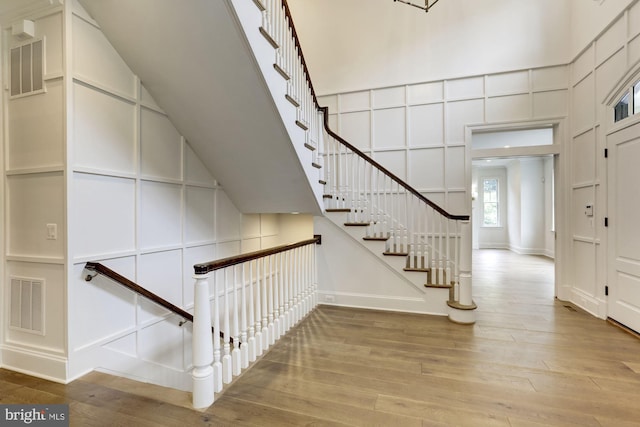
[[513, 197]]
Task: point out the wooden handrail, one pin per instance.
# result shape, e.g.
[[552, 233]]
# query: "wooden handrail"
[[107, 272], [325, 112], [208, 267]]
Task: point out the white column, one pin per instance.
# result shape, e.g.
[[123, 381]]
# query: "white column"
[[466, 297], [202, 345]]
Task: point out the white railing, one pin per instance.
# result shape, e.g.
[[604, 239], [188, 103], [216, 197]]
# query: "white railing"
[[250, 300], [432, 239]]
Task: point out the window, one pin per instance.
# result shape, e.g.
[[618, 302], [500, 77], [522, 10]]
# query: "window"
[[27, 69], [490, 202], [621, 110], [629, 103]]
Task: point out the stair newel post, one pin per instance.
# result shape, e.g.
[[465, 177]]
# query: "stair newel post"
[[227, 369], [252, 320], [465, 287], [236, 357], [265, 308], [244, 348], [202, 373], [315, 274]]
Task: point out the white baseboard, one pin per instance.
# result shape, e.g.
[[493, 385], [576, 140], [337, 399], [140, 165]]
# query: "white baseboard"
[[34, 363], [587, 302], [434, 306]]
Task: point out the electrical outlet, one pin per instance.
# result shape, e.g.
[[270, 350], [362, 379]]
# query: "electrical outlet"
[[52, 231]]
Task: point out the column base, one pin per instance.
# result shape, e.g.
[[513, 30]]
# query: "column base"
[[462, 314]]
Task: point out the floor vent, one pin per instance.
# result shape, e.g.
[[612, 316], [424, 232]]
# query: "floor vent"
[[570, 308], [27, 305]]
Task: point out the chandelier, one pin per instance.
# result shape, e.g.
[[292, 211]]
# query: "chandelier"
[[427, 4]]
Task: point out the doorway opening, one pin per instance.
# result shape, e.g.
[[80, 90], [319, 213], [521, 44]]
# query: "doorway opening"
[[513, 206]]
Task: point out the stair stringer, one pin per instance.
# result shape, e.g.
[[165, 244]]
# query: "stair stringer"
[[353, 272]]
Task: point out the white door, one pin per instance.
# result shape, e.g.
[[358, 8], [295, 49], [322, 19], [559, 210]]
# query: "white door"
[[624, 226]]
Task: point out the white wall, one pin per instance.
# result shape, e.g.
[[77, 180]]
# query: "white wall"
[[354, 45], [532, 206], [34, 180]]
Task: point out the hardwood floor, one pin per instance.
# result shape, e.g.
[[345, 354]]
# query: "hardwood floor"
[[528, 361]]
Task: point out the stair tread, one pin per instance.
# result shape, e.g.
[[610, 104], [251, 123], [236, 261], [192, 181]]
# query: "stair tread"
[[430, 285], [356, 224], [419, 270], [323, 182], [282, 72], [309, 146], [270, 39], [379, 239], [338, 210], [395, 253], [315, 165], [302, 125]]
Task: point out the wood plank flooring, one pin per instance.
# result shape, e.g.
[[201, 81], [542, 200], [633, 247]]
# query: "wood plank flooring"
[[528, 361]]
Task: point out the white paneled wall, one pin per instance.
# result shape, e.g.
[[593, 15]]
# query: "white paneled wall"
[[142, 203], [34, 193], [420, 131], [595, 73]]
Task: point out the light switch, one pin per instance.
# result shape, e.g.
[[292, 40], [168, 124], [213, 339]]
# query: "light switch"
[[52, 231]]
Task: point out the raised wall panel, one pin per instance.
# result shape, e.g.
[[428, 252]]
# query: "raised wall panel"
[[455, 168], [583, 65], [250, 225], [389, 97], [103, 131], [608, 74], [228, 219], [96, 60], [53, 339], [162, 343], [389, 128], [355, 128], [507, 83], [633, 51], [550, 78], [551, 104], [34, 201], [425, 93], [394, 161], [426, 125], [611, 41], [508, 108], [195, 171], [333, 122], [251, 244], [200, 210], [35, 129], [160, 146], [269, 224], [457, 203], [634, 21], [126, 345], [354, 101], [585, 271], [160, 273], [459, 115], [427, 168], [105, 305], [147, 99], [227, 249], [472, 87], [160, 214], [584, 149], [103, 215], [583, 225], [583, 108], [436, 197], [330, 101], [50, 27]]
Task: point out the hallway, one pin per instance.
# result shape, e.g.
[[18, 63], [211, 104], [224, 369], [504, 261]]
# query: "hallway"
[[528, 361]]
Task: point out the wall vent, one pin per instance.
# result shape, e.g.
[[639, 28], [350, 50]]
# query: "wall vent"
[[27, 305], [27, 69]]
